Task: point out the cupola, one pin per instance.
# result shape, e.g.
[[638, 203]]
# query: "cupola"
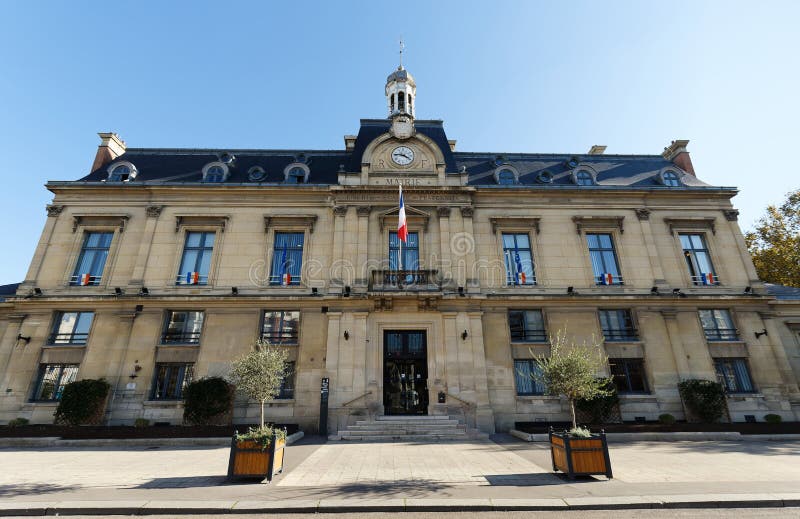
[[401, 93]]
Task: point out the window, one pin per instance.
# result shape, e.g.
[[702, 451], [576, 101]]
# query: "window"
[[401, 101], [182, 327], [545, 177], [280, 327], [628, 375], [214, 174], [196, 260], [51, 381], [527, 326], [525, 373], [92, 260], [518, 259], [410, 109], [671, 179], [121, 173], [604, 259], [698, 260], [734, 375], [256, 174], [506, 177], [170, 380], [617, 325], [584, 178], [718, 325], [287, 258], [71, 327], [410, 252], [296, 175], [287, 384], [391, 103]]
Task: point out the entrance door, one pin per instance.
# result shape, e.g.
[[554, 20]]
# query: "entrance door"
[[405, 372]]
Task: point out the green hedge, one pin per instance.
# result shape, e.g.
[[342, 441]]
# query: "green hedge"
[[601, 408], [83, 402], [704, 398], [208, 401]]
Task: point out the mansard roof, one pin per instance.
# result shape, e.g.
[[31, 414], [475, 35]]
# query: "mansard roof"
[[157, 165]]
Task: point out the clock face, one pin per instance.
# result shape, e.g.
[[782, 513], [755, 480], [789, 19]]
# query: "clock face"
[[403, 155]]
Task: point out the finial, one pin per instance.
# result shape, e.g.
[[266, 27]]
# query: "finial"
[[401, 53]]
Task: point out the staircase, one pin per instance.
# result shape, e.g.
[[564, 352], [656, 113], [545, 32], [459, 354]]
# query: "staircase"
[[409, 428]]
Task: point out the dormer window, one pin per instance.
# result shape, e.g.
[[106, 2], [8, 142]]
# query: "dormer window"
[[545, 177], [216, 172], [670, 179], [583, 178], [256, 174], [122, 172], [505, 177], [296, 173]]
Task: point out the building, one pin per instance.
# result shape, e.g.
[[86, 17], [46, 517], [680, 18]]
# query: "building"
[[161, 265]]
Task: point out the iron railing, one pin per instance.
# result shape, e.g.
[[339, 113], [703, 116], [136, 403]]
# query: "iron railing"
[[180, 338], [404, 280]]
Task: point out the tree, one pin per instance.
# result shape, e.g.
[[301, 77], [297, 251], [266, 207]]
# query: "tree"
[[571, 370], [775, 243], [260, 372]]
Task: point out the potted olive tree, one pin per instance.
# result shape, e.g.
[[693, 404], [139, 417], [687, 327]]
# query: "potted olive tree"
[[571, 371], [258, 453]]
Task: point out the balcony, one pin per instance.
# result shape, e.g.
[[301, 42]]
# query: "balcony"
[[178, 337], [621, 335], [411, 280], [722, 335], [704, 280], [68, 338], [85, 280]]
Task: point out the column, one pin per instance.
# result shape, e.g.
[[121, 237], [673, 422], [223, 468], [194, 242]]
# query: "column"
[[678, 351], [153, 212], [484, 417], [652, 251], [44, 242], [471, 279], [732, 216], [789, 382], [337, 275], [8, 344], [361, 270], [445, 266]]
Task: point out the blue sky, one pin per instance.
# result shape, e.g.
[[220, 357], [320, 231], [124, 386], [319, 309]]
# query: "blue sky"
[[504, 76]]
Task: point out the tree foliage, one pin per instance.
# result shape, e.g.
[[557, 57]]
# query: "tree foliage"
[[259, 373], [704, 398], [83, 402], [775, 243], [571, 370], [208, 401]]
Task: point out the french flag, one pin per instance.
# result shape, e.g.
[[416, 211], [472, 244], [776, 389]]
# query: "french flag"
[[402, 227], [608, 278], [192, 278], [521, 277], [708, 278], [85, 279], [286, 277]]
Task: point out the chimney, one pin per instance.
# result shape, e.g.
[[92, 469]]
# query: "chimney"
[[349, 142], [677, 153], [597, 149], [111, 147], [452, 143]]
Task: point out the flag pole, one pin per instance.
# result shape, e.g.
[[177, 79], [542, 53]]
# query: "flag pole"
[[399, 240]]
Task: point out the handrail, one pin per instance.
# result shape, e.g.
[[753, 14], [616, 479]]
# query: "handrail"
[[356, 398], [468, 404]]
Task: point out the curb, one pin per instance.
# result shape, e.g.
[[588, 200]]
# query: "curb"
[[670, 436], [54, 441], [398, 505]]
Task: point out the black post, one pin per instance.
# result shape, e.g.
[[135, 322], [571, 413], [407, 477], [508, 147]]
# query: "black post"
[[603, 437], [323, 406], [552, 448]]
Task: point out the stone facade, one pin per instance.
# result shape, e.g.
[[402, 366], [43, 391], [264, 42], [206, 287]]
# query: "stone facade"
[[348, 299]]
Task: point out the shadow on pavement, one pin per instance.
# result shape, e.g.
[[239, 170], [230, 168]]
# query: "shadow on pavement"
[[34, 489], [529, 480], [184, 482]]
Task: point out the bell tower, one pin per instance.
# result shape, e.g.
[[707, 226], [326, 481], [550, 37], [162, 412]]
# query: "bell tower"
[[401, 90]]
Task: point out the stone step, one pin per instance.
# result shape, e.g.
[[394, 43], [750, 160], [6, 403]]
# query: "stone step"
[[378, 425], [396, 432], [412, 417], [401, 428], [404, 438], [406, 422]]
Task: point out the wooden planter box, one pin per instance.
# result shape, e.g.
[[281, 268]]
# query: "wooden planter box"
[[249, 461], [580, 456]]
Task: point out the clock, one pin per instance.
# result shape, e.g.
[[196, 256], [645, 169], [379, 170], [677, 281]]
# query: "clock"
[[402, 155]]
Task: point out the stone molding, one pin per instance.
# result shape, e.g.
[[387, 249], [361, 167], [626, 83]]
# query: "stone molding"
[[691, 224], [153, 211], [363, 210], [340, 210], [443, 212], [598, 222], [54, 210], [643, 213], [731, 215], [498, 222], [290, 220], [117, 220], [467, 212], [201, 219]]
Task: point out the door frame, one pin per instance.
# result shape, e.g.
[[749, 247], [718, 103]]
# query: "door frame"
[[424, 359]]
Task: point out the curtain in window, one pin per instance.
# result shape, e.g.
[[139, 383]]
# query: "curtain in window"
[[410, 251], [526, 384], [292, 243]]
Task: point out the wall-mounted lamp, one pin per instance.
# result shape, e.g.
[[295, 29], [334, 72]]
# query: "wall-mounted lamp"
[[347, 291], [654, 291], [346, 335], [118, 291], [234, 291], [571, 291], [461, 292], [314, 291], [464, 335], [762, 332], [21, 337], [37, 291], [748, 290], [136, 369], [139, 308], [144, 291]]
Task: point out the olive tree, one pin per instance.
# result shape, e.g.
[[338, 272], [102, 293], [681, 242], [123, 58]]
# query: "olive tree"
[[260, 372], [571, 370]]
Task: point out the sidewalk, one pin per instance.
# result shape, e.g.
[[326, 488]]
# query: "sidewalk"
[[504, 474]]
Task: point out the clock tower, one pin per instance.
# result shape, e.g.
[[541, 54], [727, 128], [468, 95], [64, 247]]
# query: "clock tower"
[[401, 98]]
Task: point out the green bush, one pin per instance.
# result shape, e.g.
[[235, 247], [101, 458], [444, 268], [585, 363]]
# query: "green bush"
[[141, 422], [208, 401], [261, 435], [773, 418], [600, 408], [83, 402], [666, 418], [18, 422], [704, 398]]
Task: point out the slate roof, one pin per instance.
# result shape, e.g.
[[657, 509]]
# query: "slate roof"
[[782, 291], [611, 171], [8, 290]]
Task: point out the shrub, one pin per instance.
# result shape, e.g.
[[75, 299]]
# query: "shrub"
[[141, 422], [261, 435], [207, 401], [18, 422], [773, 418], [580, 432], [83, 402], [600, 408], [704, 398], [666, 418]]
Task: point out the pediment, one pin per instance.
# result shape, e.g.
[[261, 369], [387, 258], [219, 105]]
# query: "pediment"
[[412, 215]]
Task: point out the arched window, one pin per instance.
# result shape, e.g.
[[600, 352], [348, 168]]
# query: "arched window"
[[296, 176], [671, 179], [506, 177], [401, 101], [409, 102], [391, 103], [584, 178], [214, 174], [121, 173]]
